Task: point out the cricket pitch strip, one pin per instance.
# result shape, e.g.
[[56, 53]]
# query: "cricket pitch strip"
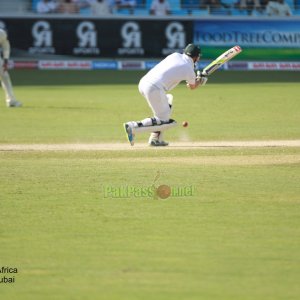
[[144, 146]]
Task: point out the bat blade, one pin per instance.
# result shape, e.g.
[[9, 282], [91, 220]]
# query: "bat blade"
[[221, 60]]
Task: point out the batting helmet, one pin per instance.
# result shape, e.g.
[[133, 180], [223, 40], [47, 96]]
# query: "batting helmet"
[[192, 50]]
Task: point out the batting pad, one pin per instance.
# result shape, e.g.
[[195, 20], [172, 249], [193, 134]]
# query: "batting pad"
[[161, 127]]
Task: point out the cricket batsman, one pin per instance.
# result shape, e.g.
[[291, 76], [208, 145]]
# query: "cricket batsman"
[[4, 76], [154, 86]]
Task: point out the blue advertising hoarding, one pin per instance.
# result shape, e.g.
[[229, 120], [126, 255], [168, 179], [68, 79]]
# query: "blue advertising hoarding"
[[260, 39]]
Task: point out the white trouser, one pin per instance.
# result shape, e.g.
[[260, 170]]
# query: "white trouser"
[[157, 100], [6, 84]]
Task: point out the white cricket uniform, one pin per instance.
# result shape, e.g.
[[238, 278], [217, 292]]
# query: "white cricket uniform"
[[4, 76], [45, 8], [160, 9], [164, 77], [4, 43]]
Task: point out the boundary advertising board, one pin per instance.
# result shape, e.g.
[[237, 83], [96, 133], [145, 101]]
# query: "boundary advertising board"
[[79, 38]]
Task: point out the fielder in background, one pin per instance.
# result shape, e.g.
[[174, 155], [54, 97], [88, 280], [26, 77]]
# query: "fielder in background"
[[154, 86], [4, 76]]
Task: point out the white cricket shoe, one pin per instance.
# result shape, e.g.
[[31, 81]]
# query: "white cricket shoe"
[[156, 139], [157, 143], [13, 103]]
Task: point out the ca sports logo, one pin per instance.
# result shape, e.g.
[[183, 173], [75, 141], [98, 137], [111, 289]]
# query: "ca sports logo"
[[131, 39], [87, 39], [175, 37], [42, 38]]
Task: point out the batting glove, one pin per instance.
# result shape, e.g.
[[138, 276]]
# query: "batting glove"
[[202, 79]]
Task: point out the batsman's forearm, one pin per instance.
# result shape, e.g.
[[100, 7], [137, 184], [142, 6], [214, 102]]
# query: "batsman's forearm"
[[193, 86]]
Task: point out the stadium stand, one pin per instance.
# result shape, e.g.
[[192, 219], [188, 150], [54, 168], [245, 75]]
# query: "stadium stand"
[[213, 7], [142, 8], [297, 7], [15, 6]]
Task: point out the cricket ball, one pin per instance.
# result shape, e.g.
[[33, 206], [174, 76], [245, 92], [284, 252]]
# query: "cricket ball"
[[185, 124], [163, 191]]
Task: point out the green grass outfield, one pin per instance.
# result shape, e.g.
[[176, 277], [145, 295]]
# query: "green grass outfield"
[[68, 107], [237, 237], [86, 225]]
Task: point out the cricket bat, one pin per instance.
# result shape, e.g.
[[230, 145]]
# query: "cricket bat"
[[221, 60]]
